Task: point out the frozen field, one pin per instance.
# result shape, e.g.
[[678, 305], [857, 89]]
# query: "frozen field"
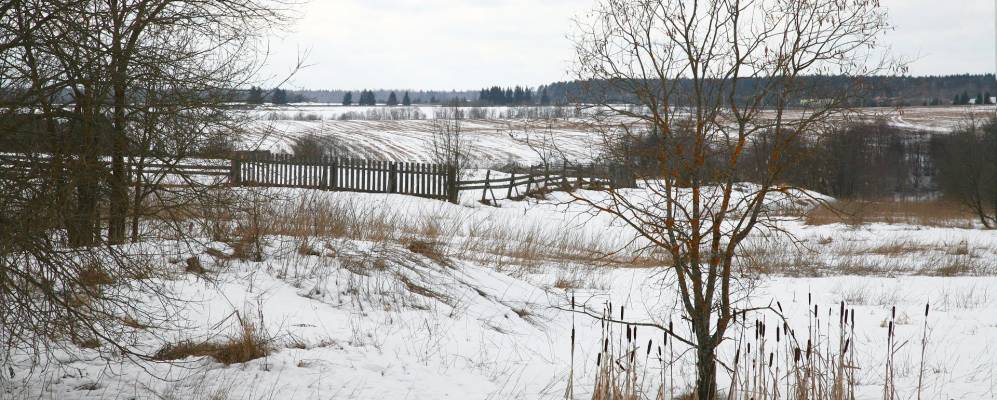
[[498, 139], [364, 314]]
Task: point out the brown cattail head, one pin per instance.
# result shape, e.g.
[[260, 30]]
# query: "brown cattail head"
[[737, 355], [648, 348], [926, 306], [893, 312], [841, 313], [621, 312], [847, 341], [796, 355], [771, 357], [808, 348], [598, 359], [777, 334], [889, 329], [778, 304]]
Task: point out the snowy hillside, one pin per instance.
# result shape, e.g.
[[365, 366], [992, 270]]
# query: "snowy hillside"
[[424, 299]]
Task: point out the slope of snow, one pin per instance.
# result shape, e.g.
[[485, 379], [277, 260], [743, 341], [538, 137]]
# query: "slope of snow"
[[375, 320]]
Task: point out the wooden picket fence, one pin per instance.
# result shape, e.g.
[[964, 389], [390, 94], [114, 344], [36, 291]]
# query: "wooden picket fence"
[[432, 181]]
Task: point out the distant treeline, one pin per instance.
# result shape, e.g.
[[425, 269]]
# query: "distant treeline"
[[872, 91]]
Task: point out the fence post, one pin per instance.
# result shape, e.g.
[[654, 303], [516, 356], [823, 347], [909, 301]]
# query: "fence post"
[[512, 183], [234, 175], [484, 192], [452, 184], [393, 177]]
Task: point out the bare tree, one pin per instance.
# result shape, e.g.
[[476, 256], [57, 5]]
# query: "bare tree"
[[92, 92], [707, 77], [450, 145], [967, 168]]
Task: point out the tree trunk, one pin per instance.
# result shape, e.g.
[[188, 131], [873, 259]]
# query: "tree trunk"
[[706, 370], [119, 180]]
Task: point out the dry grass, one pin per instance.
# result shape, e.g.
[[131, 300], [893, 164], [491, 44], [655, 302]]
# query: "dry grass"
[[248, 344], [938, 213]]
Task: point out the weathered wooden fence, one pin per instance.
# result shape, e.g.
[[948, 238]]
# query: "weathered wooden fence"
[[545, 177], [432, 181]]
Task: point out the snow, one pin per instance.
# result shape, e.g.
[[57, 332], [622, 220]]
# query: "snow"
[[374, 320]]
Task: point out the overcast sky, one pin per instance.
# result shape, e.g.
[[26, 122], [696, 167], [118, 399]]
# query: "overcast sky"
[[468, 44]]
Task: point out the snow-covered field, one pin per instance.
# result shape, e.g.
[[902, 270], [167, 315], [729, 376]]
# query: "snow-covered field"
[[363, 316], [496, 138], [421, 299]]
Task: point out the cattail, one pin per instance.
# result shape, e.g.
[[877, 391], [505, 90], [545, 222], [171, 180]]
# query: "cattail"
[[605, 345], [853, 319], [777, 334], [621, 312], [648, 348], [733, 316], [598, 359], [847, 341], [572, 301], [778, 304], [771, 356], [796, 355], [749, 348], [893, 313], [635, 333], [889, 329], [763, 329], [659, 351], [809, 299], [737, 355], [808, 349], [841, 314], [926, 305], [815, 311]]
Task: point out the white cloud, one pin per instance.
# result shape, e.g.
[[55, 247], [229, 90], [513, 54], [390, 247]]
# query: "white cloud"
[[466, 44]]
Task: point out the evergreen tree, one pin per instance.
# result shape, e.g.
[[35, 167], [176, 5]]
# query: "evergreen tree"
[[544, 98], [956, 100], [348, 99], [392, 99], [406, 101], [979, 99], [986, 98], [279, 96], [255, 95]]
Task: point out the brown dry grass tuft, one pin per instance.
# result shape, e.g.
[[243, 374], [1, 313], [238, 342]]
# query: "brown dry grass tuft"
[[939, 213], [249, 344]]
